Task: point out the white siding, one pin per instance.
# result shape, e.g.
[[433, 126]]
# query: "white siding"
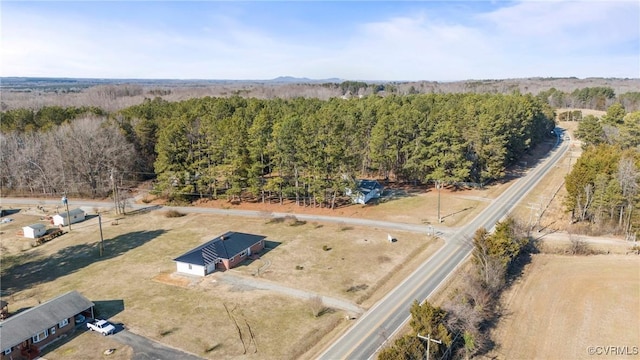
[[195, 269], [34, 232], [59, 219]]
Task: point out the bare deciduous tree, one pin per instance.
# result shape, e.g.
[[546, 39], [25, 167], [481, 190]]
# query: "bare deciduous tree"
[[316, 305]]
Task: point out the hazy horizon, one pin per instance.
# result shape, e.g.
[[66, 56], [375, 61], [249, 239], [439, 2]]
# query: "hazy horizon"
[[351, 40]]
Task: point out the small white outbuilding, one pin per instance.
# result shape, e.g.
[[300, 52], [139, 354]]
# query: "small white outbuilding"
[[34, 231], [76, 215]]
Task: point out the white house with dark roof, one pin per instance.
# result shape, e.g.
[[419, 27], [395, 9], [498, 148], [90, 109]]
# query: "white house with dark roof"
[[24, 334], [366, 190], [223, 252], [76, 215], [34, 231]]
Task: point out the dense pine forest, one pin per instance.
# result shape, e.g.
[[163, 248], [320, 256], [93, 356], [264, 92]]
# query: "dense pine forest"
[[240, 148]]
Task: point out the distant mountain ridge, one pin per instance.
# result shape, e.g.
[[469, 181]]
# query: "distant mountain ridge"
[[304, 80], [18, 82]]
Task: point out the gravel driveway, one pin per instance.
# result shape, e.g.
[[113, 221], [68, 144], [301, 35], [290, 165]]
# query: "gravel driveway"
[[251, 283]]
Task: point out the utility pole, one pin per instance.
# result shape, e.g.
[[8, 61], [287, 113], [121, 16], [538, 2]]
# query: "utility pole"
[[65, 202], [101, 237], [429, 340]]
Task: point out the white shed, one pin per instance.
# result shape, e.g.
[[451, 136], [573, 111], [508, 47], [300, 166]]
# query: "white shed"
[[76, 215], [34, 230]]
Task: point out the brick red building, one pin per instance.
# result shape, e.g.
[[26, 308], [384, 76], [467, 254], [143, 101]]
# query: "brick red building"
[[24, 335], [223, 253]]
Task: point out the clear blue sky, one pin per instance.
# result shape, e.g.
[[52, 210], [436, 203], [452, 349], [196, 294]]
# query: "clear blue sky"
[[355, 40]]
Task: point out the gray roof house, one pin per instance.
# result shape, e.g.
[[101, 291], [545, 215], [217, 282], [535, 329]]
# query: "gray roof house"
[[29, 331], [223, 252], [366, 190]]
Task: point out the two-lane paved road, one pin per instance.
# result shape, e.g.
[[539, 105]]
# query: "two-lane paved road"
[[371, 331]]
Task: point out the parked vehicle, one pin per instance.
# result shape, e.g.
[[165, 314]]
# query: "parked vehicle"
[[101, 326]]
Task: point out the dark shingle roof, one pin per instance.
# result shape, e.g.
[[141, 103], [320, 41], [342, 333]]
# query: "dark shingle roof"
[[233, 244], [365, 186], [28, 323]]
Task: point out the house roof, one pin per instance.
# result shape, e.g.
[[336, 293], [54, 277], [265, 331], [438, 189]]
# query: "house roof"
[[72, 212], [225, 246], [28, 323], [37, 226], [366, 186]]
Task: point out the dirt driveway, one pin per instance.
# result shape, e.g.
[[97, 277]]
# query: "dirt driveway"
[[243, 283]]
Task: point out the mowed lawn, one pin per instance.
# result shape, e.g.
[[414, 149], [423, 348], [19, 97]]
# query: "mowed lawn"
[[195, 314], [564, 305]]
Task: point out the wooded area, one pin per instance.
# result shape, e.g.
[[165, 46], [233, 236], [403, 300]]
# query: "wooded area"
[[302, 149], [604, 185], [308, 149]]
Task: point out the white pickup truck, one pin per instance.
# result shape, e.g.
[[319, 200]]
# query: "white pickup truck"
[[101, 326]]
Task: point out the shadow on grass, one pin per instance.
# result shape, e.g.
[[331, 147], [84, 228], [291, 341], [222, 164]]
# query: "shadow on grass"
[[8, 212], [106, 309], [144, 210], [22, 276]]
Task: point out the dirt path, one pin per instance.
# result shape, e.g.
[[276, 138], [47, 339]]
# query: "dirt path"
[[243, 283]]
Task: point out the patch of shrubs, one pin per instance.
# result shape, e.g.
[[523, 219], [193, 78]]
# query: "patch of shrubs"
[[173, 214]]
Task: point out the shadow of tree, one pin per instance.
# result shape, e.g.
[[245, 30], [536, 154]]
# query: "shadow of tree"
[[70, 259]]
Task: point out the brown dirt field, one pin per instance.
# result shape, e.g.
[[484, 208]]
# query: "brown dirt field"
[[413, 206], [172, 279], [564, 304]]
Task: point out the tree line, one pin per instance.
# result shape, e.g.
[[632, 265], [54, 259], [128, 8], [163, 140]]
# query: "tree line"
[[308, 149], [603, 187], [597, 98], [303, 149]]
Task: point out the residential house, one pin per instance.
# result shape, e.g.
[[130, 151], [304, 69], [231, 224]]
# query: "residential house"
[[25, 334], [223, 252], [76, 215], [34, 231], [366, 190]]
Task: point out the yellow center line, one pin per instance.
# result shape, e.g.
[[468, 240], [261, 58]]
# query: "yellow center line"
[[400, 303]]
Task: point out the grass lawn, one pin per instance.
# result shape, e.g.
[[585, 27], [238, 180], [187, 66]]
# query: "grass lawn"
[[196, 314]]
